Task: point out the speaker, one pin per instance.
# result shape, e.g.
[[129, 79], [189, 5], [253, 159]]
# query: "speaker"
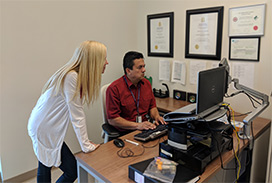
[[179, 95], [191, 97]]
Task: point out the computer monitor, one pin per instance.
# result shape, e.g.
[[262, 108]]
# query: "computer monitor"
[[210, 95], [225, 64], [210, 90]]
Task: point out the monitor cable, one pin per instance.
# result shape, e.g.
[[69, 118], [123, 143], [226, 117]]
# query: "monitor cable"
[[220, 151], [127, 152], [236, 152], [251, 98]]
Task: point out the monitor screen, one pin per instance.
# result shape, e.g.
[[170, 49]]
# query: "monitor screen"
[[211, 89]]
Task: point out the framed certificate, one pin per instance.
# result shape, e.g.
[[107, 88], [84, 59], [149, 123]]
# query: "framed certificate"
[[204, 33], [160, 30], [247, 20], [244, 48]]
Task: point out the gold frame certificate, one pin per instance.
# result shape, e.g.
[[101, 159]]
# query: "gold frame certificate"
[[247, 20], [160, 33], [203, 33], [160, 41]]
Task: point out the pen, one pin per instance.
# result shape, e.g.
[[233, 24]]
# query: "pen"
[[135, 143]]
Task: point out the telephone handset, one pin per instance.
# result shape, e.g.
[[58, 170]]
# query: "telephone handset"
[[161, 94]]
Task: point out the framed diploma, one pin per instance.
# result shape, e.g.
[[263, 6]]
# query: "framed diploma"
[[244, 48], [204, 33], [160, 30], [247, 20]]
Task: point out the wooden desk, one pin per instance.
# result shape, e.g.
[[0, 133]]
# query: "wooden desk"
[[260, 125], [106, 166], [169, 104]]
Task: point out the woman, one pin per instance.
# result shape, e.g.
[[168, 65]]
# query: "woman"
[[61, 102]]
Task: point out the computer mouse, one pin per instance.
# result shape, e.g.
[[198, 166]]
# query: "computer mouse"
[[118, 142]]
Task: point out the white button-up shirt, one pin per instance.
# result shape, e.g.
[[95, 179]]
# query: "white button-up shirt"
[[49, 121]]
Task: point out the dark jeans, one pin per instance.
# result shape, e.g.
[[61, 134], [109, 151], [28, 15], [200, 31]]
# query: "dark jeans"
[[68, 166]]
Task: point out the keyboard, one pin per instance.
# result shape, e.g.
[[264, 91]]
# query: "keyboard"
[[146, 135]]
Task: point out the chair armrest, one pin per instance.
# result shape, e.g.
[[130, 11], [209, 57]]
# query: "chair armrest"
[[110, 130]]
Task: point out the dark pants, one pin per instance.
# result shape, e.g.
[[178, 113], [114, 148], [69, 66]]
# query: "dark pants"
[[68, 166]]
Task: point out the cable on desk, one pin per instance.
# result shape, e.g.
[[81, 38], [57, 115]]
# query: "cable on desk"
[[251, 98], [253, 139], [220, 151], [226, 106], [127, 152], [238, 145], [244, 114]]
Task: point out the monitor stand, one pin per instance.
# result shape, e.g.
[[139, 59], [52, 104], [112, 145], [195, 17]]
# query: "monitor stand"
[[214, 116]]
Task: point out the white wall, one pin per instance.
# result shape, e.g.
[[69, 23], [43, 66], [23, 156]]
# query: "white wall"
[[37, 37], [263, 68], [262, 72]]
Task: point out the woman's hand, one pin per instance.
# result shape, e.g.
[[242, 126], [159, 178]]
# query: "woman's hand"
[[95, 145]]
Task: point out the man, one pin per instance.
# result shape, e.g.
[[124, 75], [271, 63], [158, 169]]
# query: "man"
[[129, 99]]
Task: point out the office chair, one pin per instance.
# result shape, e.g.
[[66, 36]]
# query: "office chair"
[[108, 131]]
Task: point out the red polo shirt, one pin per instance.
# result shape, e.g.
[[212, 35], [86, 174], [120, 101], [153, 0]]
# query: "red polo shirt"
[[120, 102]]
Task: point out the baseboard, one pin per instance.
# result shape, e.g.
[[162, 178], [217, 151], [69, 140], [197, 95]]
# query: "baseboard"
[[23, 177]]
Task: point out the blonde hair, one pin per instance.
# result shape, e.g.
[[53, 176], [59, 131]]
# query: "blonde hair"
[[88, 60]]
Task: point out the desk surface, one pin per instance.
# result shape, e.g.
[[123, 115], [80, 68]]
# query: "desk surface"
[[112, 168], [169, 104], [107, 165]]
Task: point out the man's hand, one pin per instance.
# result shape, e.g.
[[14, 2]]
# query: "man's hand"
[[160, 120], [146, 125], [154, 113]]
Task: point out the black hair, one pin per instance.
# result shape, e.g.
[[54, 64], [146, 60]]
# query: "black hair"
[[129, 58]]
